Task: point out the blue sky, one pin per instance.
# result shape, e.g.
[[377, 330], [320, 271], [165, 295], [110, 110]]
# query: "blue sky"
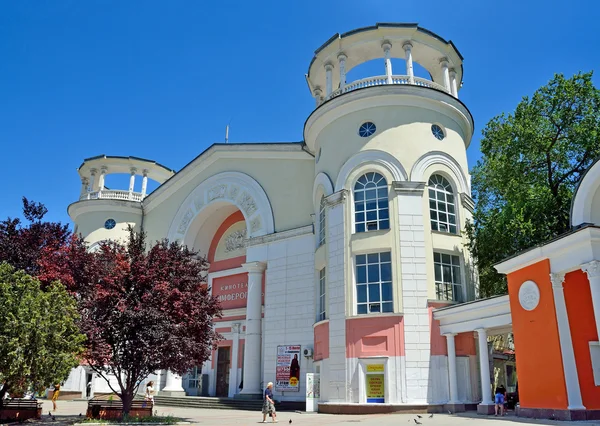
[[160, 80]]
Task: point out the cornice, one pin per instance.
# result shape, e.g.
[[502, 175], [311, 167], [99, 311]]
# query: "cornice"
[[409, 188], [278, 236], [87, 206], [467, 202]]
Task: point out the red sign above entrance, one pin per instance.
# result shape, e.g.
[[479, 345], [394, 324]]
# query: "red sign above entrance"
[[232, 291]]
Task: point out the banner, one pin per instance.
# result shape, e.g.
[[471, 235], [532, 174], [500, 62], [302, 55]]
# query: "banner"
[[375, 388], [287, 371]]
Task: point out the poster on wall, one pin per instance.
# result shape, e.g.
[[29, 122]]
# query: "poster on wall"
[[287, 372], [375, 383]]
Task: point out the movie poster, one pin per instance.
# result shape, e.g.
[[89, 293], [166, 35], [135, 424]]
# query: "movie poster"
[[287, 372]]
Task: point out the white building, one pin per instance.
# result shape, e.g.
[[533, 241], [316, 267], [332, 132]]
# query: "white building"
[[342, 244]]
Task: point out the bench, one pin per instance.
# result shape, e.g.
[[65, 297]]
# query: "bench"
[[20, 409], [105, 407]]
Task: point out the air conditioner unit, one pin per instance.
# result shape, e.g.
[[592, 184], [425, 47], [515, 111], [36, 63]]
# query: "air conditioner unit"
[[308, 352]]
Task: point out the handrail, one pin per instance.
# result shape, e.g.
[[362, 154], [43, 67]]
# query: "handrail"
[[381, 80], [112, 194]]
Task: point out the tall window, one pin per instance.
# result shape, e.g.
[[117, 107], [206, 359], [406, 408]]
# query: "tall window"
[[442, 208], [322, 222], [371, 203], [448, 282], [374, 283], [322, 288]]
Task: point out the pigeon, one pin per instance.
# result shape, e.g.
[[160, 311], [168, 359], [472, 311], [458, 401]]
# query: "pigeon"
[[449, 412], [417, 422], [53, 418], [50, 413], [79, 414], [290, 422], [431, 416], [419, 416]]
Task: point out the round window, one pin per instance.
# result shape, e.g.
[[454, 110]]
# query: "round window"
[[366, 129], [110, 223], [438, 132]]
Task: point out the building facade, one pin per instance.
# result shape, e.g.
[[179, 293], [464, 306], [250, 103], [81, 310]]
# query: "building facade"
[[328, 255]]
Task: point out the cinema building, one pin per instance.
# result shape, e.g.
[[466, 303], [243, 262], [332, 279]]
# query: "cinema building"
[[337, 248]]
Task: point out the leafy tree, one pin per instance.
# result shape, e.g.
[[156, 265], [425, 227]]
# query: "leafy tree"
[[145, 311], [39, 338], [532, 161]]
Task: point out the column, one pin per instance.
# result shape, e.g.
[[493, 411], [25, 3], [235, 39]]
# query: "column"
[[318, 96], [453, 88], [132, 182], [252, 349], [592, 270], [328, 82], [144, 182], [452, 368], [93, 180], [484, 368], [234, 382], [409, 62], [386, 46], [84, 188], [103, 171], [445, 73], [173, 387], [342, 62], [566, 344]]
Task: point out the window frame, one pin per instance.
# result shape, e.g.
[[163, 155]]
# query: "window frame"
[[457, 288], [322, 224], [380, 282], [322, 305], [436, 224], [357, 200]]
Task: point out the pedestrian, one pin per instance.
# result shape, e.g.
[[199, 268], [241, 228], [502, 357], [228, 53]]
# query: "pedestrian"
[[55, 395], [505, 405], [149, 395], [499, 400], [269, 404]]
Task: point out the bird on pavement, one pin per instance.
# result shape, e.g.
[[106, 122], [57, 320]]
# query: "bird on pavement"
[[417, 422], [431, 415], [50, 413], [419, 416], [53, 418], [290, 422]]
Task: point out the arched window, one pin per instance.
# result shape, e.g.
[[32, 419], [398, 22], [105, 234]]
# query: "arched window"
[[442, 207], [322, 222], [371, 210]]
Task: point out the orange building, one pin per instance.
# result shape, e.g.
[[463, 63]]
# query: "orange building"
[[553, 308]]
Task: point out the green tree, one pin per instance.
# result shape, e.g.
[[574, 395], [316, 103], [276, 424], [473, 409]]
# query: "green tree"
[[532, 161], [40, 341]]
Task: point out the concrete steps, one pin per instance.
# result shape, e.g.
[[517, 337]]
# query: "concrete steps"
[[207, 402]]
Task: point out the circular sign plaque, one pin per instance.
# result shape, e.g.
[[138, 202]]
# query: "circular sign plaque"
[[529, 295]]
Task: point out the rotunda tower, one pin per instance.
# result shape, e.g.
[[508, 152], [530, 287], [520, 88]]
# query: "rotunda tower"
[[391, 198]]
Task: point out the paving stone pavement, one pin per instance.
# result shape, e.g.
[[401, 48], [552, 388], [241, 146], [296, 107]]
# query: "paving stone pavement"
[[68, 413]]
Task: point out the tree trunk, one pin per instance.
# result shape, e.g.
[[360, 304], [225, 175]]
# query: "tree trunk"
[[126, 400]]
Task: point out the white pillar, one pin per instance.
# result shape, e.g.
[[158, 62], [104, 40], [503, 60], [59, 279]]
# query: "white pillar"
[[103, 171], [592, 270], [453, 88], [158, 374], [253, 344], [409, 62], [445, 73], [318, 96], [144, 182], [132, 182], [452, 368], [234, 382], [386, 46], [328, 87], [566, 344], [342, 62], [174, 383], [484, 368], [93, 180], [84, 188]]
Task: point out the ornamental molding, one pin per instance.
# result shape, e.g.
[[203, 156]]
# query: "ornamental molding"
[[337, 198], [467, 202], [365, 158], [529, 295], [235, 241], [592, 269], [418, 170], [234, 188], [557, 280], [278, 236], [409, 188]]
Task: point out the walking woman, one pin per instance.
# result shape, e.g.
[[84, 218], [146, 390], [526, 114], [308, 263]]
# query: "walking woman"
[[269, 404], [149, 395], [55, 395]]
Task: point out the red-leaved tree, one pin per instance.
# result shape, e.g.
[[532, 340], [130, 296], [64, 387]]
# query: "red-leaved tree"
[[146, 310]]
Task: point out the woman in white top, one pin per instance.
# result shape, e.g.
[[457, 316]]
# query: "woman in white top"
[[149, 396]]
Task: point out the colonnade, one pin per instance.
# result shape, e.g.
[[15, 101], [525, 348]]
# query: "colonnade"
[[93, 186]]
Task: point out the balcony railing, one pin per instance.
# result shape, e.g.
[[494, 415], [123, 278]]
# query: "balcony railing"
[[112, 194], [381, 80]]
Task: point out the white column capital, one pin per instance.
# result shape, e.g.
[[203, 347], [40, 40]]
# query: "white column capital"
[[317, 91], [407, 45], [254, 267], [341, 57], [386, 45], [452, 72], [328, 66], [93, 172], [84, 180], [557, 280], [592, 269], [133, 170], [235, 327], [449, 334], [444, 62], [103, 169], [145, 172]]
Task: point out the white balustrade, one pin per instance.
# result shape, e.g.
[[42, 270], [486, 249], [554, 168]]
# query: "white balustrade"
[[113, 194], [383, 80]]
